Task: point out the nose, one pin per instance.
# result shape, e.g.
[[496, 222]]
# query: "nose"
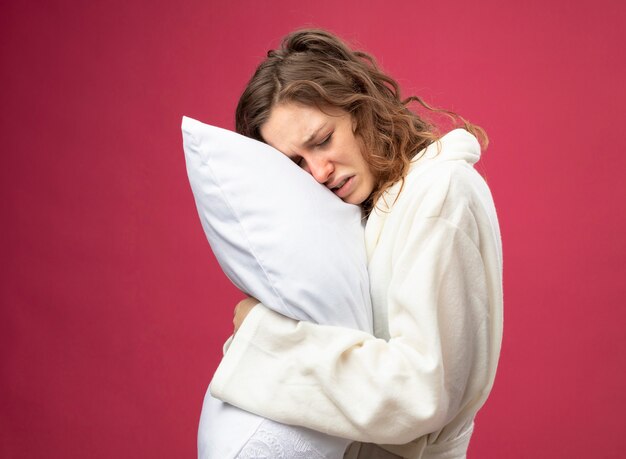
[[320, 168]]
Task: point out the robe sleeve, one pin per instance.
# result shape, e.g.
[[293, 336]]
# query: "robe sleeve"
[[348, 383]]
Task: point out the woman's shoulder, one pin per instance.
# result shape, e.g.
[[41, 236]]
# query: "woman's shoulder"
[[441, 186], [441, 179], [457, 145], [443, 183], [445, 165]]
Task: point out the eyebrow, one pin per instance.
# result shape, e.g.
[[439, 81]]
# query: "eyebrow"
[[309, 139]]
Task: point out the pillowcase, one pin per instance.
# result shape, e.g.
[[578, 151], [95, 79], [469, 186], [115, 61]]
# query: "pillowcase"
[[277, 234], [282, 238]]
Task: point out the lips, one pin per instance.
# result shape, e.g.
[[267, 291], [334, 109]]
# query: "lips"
[[339, 184], [343, 187]]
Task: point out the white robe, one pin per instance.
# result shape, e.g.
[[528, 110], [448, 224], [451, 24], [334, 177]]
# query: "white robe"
[[435, 266]]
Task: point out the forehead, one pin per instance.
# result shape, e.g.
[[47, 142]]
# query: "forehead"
[[290, 124]]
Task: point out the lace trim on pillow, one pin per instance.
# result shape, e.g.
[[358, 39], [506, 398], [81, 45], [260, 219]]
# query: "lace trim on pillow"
[[278, 441]]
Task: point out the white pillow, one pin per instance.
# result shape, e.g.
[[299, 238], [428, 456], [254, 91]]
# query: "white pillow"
[[279, 236], [282, 238]]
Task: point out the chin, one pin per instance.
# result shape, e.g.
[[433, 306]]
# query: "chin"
[[356, 200]]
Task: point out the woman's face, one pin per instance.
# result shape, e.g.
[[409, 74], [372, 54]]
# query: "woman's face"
[[324, 145]]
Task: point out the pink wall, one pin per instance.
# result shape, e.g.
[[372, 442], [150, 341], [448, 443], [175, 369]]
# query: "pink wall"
[[113, 308]]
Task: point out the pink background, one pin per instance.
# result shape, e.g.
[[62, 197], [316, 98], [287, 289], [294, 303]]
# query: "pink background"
[[113, 308]]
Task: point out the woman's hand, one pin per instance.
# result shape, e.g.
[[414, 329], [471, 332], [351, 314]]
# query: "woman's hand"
[[242, 309]]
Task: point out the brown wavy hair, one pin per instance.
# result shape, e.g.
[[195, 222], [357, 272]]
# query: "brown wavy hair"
[[316, 68]]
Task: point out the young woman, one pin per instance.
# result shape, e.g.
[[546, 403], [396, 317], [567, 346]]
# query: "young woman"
[[434, 260]]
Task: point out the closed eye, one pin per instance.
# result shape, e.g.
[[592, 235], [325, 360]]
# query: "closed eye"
[[325, 141]]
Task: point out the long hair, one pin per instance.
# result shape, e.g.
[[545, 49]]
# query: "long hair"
[[316, 68]]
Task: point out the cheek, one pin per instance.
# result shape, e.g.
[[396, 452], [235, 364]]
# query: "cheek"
[[361, 152], [363, 162]]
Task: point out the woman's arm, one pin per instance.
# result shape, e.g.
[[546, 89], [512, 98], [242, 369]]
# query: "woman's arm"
[[444, 324]]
